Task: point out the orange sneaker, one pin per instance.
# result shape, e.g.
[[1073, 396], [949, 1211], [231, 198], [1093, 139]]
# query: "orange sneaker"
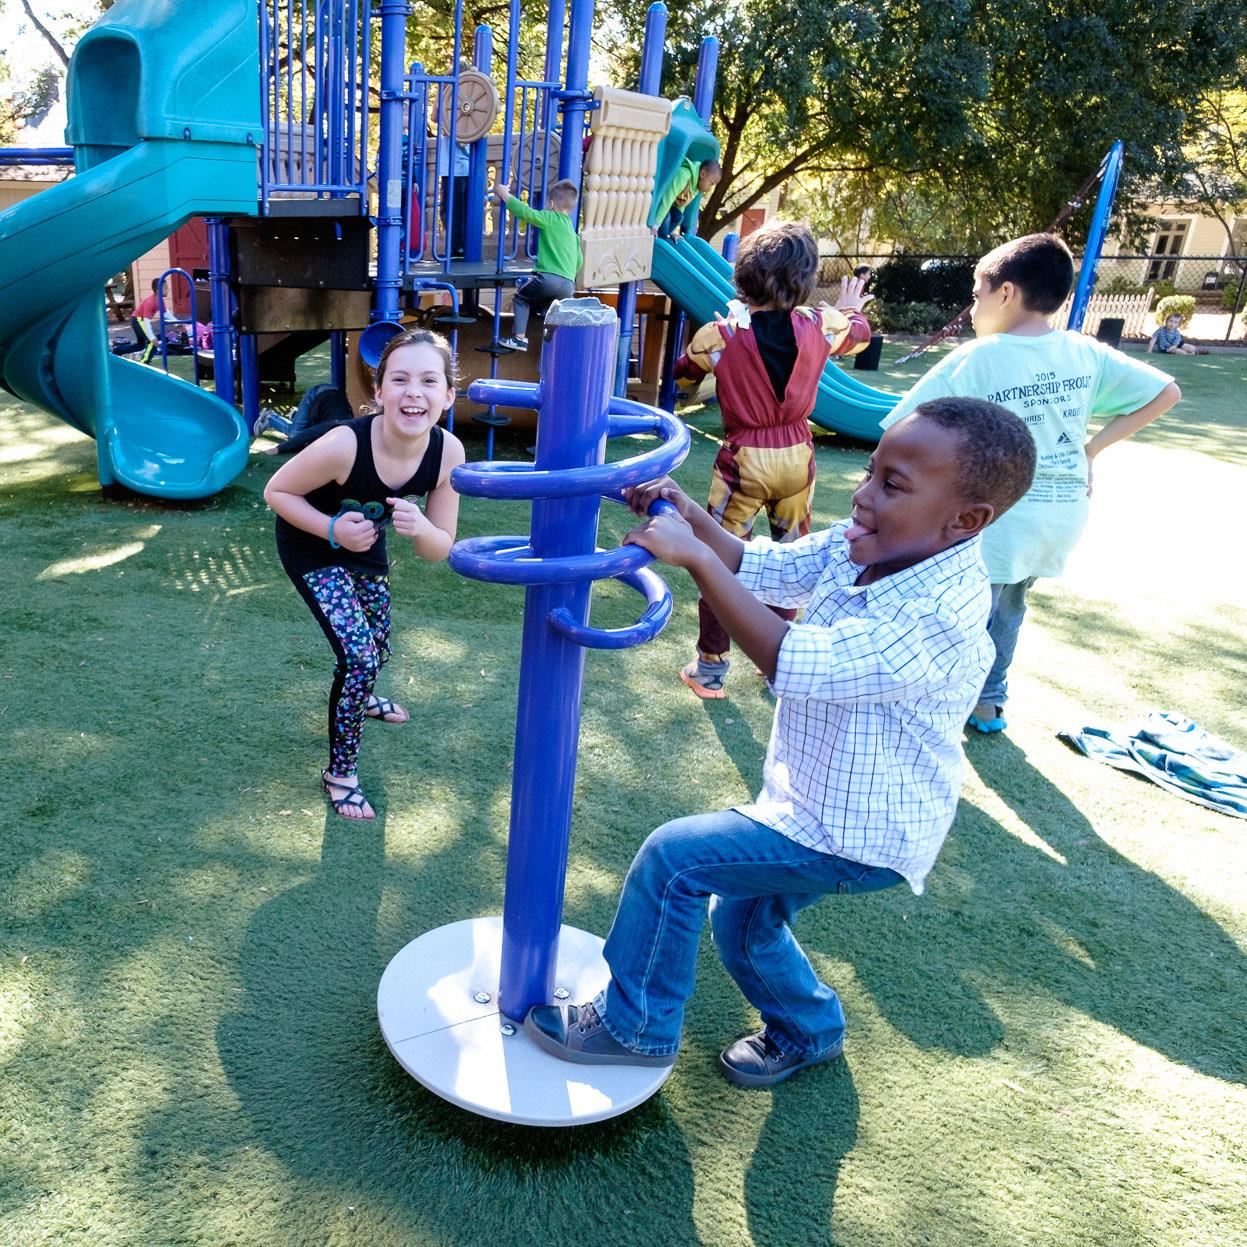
[[706, 684]]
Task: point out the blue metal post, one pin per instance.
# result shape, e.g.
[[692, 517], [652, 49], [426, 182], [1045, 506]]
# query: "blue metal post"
[[249, 366], [707, 70], [331, 92], [556, 17], [337, 360], [703, 101], [385, 306], [447, 142], [576, 91], [651, 49], [508, 129], [576, 369], [222, 309], [547, 121], [577, 415], [1110, 171], [731, 245], [650, 81], [671, 352]]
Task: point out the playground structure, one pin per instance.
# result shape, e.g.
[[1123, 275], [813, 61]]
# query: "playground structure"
[[332, 232], [452, 1002]]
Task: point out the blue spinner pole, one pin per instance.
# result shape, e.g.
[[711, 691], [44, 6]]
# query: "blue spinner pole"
[[558, 564]]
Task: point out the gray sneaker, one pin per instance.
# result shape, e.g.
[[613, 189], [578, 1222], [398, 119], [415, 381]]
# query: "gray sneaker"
[[513, 343], [576, 1033], [755, 1061]]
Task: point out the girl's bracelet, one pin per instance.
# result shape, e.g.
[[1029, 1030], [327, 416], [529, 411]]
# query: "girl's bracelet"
[[333, 544]]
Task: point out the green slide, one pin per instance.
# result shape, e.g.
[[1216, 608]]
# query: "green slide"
[[699, 280], [164, 118]]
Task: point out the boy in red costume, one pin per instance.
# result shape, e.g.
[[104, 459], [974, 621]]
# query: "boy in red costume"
[[767, 358]]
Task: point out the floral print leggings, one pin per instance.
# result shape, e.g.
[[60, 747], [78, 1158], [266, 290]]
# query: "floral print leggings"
[[353, 610]]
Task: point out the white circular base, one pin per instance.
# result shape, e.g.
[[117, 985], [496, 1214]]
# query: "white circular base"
[[454, 1044]]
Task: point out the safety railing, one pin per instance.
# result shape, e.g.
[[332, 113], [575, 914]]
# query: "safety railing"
[[314, 57]]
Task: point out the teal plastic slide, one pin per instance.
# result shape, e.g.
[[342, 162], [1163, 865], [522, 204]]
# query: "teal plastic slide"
[[686, 140], [164, 115], [699, 280]]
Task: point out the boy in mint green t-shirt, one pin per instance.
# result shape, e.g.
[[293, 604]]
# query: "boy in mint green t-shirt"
[[558, 256], [1056, 380]]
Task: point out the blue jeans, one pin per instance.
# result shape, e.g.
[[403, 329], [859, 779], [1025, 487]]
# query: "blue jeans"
[[756, 881], [1008, 611]]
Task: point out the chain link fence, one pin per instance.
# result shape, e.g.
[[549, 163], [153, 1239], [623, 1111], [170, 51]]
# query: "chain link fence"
[[918, 294]]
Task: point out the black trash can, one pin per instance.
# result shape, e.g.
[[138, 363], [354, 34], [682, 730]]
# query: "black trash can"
[[868, 360], [1110, 330]]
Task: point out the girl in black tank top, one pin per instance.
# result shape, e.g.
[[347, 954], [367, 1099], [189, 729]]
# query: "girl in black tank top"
[[336, 501]]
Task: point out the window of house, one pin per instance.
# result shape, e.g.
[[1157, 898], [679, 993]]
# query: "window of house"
[[1238, 238], [1235, 262], [1169, 240]]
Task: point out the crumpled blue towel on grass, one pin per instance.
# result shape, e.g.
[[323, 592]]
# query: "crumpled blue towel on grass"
[[1172, 751]]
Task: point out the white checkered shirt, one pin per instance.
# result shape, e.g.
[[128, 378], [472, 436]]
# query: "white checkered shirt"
[[875, 684]]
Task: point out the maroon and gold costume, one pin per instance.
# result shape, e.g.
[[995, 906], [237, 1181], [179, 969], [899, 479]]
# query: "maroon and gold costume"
[[767, 457]]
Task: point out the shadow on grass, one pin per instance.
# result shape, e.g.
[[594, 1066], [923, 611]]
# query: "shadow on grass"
[[1210, 418], [1079, 923], [312, 1075], [746, 751], [302, 1051], [117, 862], [783, 1212], [1198, 656]]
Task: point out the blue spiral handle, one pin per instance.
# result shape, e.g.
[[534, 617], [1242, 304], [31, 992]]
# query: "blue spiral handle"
[[512, 560], [523, 481]]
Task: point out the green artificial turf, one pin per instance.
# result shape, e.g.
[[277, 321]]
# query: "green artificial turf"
[[1048, 1047]]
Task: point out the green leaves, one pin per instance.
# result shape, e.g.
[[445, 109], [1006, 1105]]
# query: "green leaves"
[[955, 122]]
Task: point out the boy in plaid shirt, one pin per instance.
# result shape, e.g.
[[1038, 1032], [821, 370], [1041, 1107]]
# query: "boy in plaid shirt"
[[864, 767]]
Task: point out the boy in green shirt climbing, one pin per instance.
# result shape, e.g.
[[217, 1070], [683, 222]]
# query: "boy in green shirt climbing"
[[558, 255]]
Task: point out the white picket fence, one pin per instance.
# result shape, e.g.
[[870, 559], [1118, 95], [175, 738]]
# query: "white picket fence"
[[1134, 309]]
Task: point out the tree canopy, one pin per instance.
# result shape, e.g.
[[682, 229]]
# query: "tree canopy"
[[953, 123], [941, 125]]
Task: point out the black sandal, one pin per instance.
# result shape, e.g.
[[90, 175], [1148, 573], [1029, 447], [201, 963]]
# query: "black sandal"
[[379, 707], [354, 798]]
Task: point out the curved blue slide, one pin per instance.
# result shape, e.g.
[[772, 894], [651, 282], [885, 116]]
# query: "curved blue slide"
[[699, 280], [164, 111]]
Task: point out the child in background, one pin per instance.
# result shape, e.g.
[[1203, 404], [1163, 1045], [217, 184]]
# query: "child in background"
[[691, 182], [1168, 340], [864, 767], [146, 312], [1056, 380], [767, 357], [454, 163], [149, 308], [558, 256], [334, 501]]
